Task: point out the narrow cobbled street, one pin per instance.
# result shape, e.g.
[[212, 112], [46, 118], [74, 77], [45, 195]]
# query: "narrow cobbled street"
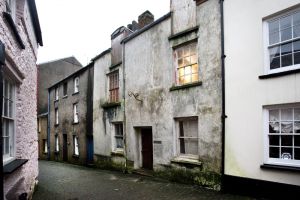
[[65, 181]]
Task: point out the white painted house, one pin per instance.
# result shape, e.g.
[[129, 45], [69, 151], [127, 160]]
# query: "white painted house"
[[262, 138]]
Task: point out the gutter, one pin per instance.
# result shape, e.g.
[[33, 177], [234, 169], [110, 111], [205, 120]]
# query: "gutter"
[[223, 56], [48, 127], [2, 62]]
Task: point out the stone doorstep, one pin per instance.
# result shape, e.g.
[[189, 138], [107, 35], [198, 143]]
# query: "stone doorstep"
[[144, 172]]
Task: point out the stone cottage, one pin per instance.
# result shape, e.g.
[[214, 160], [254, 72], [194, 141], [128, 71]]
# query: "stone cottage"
[[48, 74], [20, 36], [159, 107], [70, 114]]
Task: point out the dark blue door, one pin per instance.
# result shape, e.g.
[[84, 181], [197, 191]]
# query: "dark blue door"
[[90, 149]]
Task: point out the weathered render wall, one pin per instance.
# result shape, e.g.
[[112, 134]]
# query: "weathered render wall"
[[66, 119], [246, 94], [24, 60], [150, 73], [51, 72]]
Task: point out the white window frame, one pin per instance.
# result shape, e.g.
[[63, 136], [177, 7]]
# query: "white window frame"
[[56, 143], [118, 136], [39, 125], [45, 146], [75, 113], [185, 66], [65, 89], [178, 151], [267, 69], [75, 145], [76, 84], [56, 93], [10, 119], [267, 159], [56, 116]]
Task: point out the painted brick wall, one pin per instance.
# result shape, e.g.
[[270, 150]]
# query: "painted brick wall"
[[23, 179]]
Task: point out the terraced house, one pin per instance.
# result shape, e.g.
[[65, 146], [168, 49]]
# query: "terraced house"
[[20, 36], [158, 106]]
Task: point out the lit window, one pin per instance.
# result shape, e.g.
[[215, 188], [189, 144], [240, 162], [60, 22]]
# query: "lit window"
[[75, 145], [114, 86], [45, 145], [283, 135], [188, 136], [65, 89], [282, 35], [39, 125], [8, 120], [56, 144], [119, 136], [56, 116], [76, 84], [75, 110], [186, 64], [56, 94]]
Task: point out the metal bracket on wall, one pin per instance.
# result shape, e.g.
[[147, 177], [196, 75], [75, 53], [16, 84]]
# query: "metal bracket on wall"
[[135, 95]]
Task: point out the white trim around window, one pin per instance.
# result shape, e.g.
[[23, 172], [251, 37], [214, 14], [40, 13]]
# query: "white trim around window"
[[75, 113], [76, 84], [282, 135], [282, 42]]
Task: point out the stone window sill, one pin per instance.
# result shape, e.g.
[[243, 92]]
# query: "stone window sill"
[[74, 123], [117, 153], [56, 125], [180, 87], [280, 167], [111, 105], [185, 160], [13, 166], [75, 93], [66, 96], [75, 156], [56, 100], [279, 74]]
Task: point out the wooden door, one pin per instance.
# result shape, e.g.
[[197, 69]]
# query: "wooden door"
[[147, 149], [65, 147]]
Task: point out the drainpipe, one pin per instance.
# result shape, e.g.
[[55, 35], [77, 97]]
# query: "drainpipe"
[[124, 113], [2, 62], [223, 56], [48, 127]]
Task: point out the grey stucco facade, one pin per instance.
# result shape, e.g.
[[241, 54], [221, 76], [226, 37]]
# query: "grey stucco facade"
[[64, 128], [157, 108]]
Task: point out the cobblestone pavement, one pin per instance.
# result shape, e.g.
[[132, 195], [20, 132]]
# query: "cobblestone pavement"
[[71, 182]]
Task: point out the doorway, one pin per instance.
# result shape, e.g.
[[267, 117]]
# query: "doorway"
[[65, 147], [147, 148], [90, 149]]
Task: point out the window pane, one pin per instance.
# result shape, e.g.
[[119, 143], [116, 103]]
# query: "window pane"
[[285, 22], [190, 128], [119, 142], [193, 49], [186, 61], [296, 31], [181, 71], [297, 153], [274, 140], [7, 144], [274, 38], [286, 153], [287, 140], [287, 114], [287, 60], [297, 113], [195, 77], [286, 48], [182, 146], [296, 46], [180, 53], [5, 107], [286, 127], [274, 115], [274, 26], [193, 59], [297, 127], [297, 58], [181, 80], [275, 63], [180, 62], [187, 79], [296, 18], [297, 140], [286, 34], [187, 70], [275, 51], [274, 152], [10, 112], [186, 51], [191, 146], [195, 69], [274, 127]]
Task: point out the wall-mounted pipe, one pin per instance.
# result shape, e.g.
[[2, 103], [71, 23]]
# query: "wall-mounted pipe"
[[2, 62]]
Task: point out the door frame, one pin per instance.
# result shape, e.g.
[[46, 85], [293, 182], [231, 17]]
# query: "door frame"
[[65, 148], [141, 144]]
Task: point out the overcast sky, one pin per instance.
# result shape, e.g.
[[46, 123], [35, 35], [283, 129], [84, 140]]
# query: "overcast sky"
[[83, 27]]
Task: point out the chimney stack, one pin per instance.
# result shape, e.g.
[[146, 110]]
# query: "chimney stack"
[[145, 18]]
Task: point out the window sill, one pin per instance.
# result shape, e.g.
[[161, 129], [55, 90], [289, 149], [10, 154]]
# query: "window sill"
[[13, 166], [75, 93], [56, 152], [64, 97], [11, 23], [111, 105], [280, 167], [75, 156], [45, 153], [180, 87], [190, 161], [117, 153], [278, 74], [74, 123], [56, 100]]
